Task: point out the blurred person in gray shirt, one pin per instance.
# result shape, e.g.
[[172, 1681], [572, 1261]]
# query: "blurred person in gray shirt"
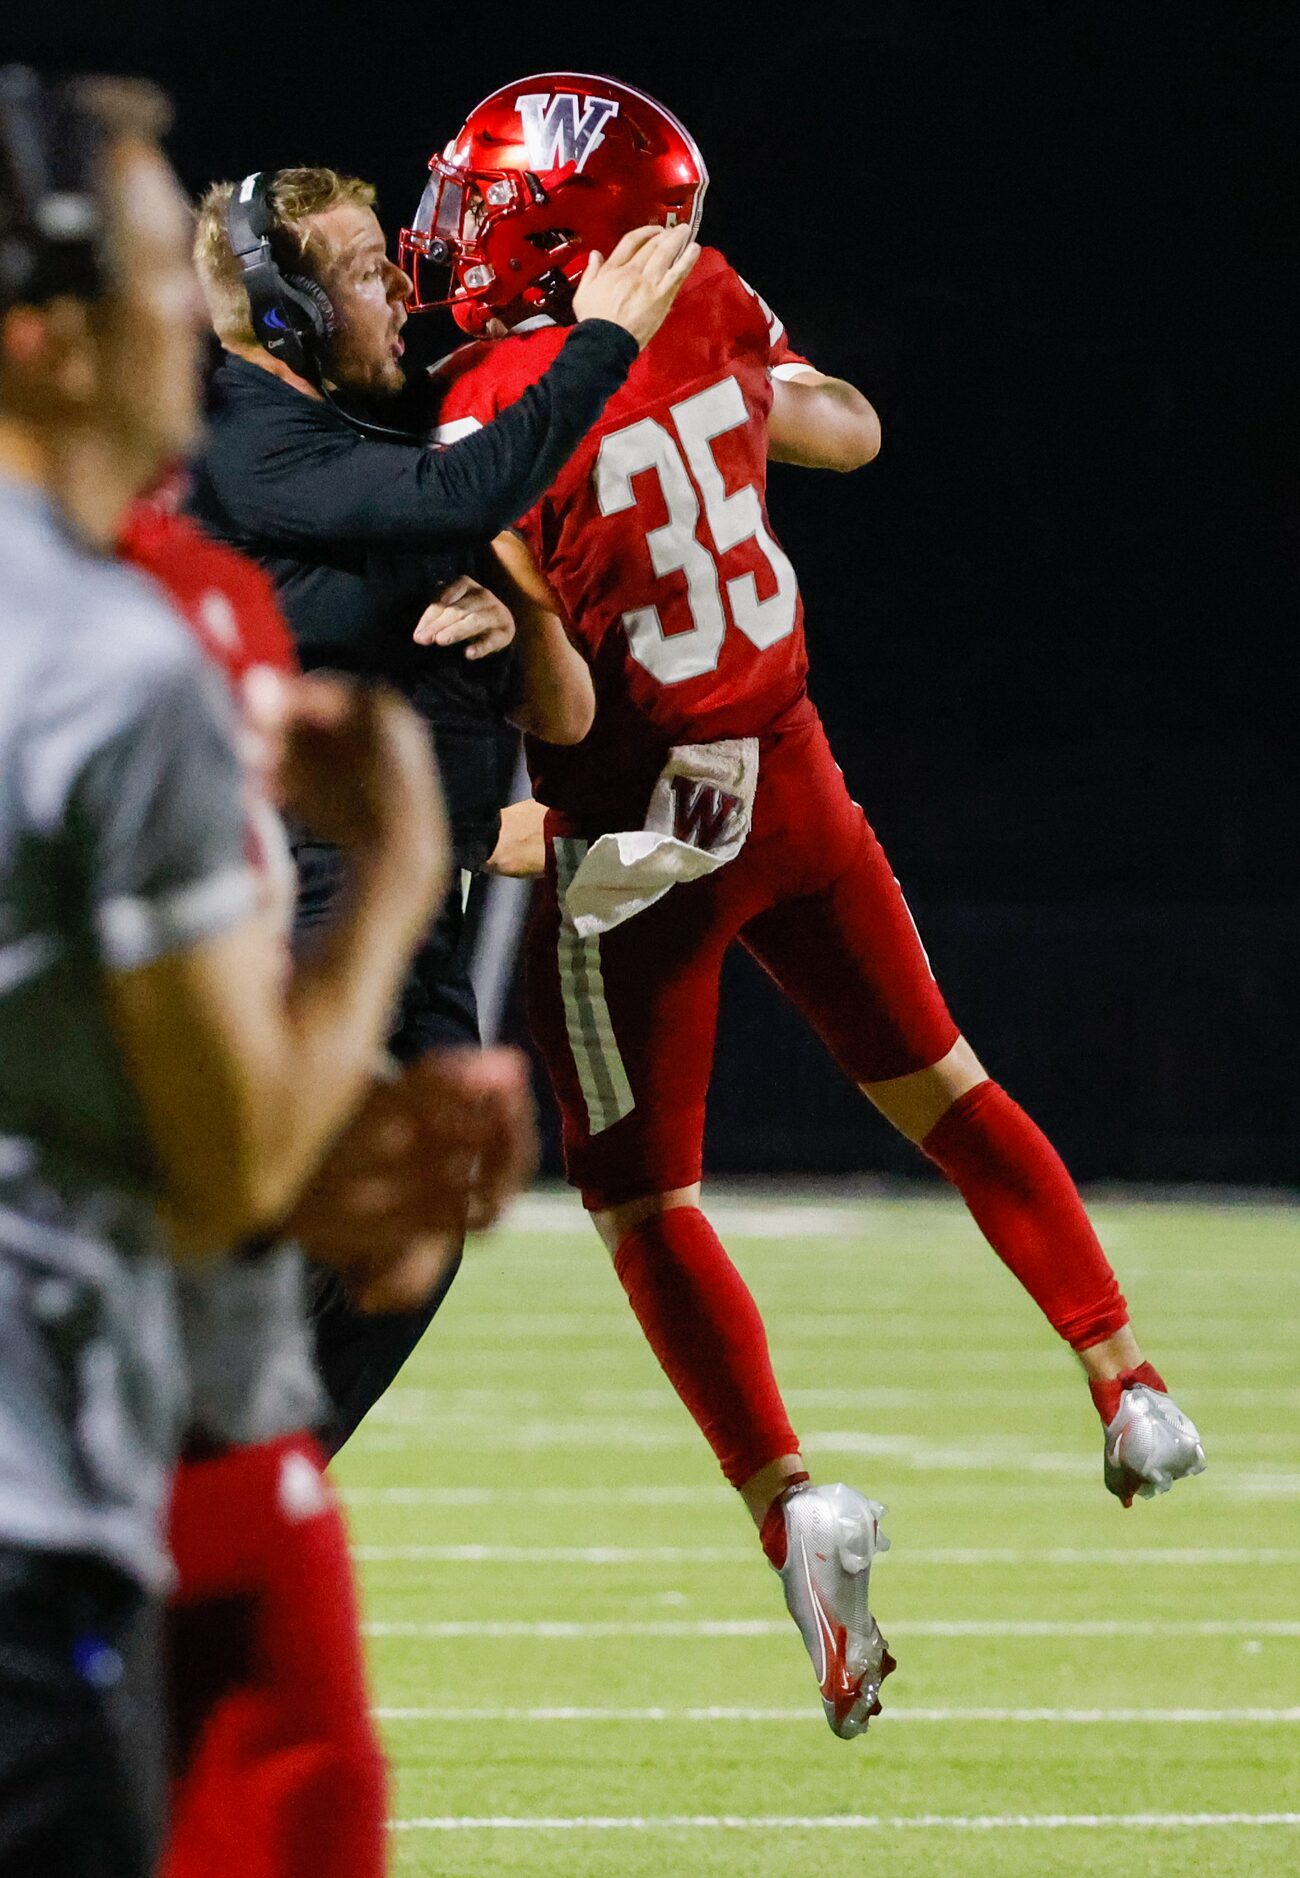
[[167, 1085]]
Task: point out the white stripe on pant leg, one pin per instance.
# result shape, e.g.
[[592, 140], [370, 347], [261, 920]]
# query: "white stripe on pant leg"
[[605, 1087], [616, 1092], [574, 979], [568, 856]]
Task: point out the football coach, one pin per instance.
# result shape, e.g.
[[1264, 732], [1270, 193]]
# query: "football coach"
[[379, 546]]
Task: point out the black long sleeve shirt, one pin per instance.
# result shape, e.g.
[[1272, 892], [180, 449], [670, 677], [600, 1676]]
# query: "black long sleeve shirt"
[[360, 534]]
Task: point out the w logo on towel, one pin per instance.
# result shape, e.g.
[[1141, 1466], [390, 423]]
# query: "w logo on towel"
[[701, 812]]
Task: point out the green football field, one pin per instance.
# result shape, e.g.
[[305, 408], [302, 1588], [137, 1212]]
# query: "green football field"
[[584, 1666]]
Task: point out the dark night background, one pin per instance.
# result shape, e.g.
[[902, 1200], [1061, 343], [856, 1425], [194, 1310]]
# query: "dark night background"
[[1053, 627]]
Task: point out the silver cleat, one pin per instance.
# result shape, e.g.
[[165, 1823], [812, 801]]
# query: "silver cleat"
[[832, 1534], [1149, 1445]]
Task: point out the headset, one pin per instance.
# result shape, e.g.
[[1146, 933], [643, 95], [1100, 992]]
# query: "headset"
[[53, 237], [292, 316]]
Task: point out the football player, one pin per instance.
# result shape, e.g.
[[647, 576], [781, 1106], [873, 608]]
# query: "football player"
[[705, 808]]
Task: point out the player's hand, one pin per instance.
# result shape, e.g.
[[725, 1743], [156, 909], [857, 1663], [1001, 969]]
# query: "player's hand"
[[498, 1089], [406, 1281], [378, 1189], [431, 1154], [477, 1125], [520, 853], [637, 284], [356, 765], [467, 614]]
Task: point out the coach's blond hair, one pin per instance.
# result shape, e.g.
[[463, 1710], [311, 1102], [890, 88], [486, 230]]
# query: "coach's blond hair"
[[295, 195]]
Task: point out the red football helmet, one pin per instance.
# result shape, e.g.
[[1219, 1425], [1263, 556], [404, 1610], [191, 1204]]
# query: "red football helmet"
[[544, 171]]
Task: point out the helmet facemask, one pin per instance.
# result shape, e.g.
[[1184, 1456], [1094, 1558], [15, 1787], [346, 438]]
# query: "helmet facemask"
[[427, 249], [489, 243]]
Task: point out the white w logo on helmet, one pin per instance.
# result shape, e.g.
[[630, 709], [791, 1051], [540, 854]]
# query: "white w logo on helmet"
[[560, 127]]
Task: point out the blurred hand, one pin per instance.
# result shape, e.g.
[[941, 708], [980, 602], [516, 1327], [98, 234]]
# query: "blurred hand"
[[520, 853], [430, 1155], [637, 285], [356, 765], [466, 614]]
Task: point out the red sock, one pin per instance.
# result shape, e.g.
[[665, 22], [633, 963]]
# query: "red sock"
[[703, 1325], [1106, 1395], [1026, 1205], [771, 1534]]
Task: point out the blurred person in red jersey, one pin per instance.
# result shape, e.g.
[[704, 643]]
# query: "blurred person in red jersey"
[[277, 1768]]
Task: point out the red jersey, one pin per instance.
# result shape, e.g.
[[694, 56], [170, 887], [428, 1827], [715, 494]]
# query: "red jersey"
[[656, 538], [226, 600], [230, 606]]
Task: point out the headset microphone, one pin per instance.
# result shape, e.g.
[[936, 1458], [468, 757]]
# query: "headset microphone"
[[386, 432]]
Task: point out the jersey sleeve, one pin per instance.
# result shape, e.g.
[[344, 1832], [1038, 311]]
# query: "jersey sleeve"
[[227, 600], [262, 634], [311, 480], [783, 360], [142, 781]]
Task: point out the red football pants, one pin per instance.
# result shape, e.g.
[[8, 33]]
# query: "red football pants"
[[277, 1769], [626, 1022]]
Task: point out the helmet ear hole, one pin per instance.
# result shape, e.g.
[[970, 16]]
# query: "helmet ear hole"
[[316, 304], [549, 239]]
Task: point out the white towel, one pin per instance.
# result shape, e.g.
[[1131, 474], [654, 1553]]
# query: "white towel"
[[698, 820]]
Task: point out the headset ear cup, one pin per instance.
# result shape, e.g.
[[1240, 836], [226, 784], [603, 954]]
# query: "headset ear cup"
[[315, 303]]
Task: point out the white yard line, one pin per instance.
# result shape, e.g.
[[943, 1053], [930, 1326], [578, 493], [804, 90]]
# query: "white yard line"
[[735, 1555], [483, 1433], [843, 1822], [1088, 1717], [745, 1217], [529, 1347], [898, 1328], [552, 1554], [563, 1628], [1259, 1484], [1264, 1487], [885, 1395], [459, 1398], [486, 1435], [539, 1496]]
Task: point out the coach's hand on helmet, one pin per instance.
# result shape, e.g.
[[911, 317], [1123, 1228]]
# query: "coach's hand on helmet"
[[466, 614], [637, 284]]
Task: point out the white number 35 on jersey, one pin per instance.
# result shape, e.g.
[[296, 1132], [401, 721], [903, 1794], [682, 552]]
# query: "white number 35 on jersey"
[[675, 548]]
